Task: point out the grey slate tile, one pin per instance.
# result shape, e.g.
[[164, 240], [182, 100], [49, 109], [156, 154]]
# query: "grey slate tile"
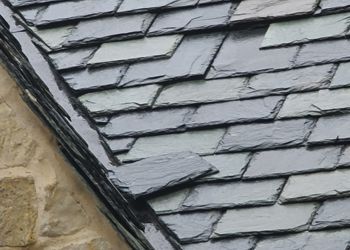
[[191, 227], [195, 53], [241, 54], [168, 203], [328, 5], [264, 220], [265, 135], [72, 58], [342, 76], [246, 243], [157, 173], [317, 186], [233, 194], [18, 3], [211, 1], [345, 157], [146, 5], [191, 19], [54, 38], [30, 13], [235, 112], [120, 145], [291, 161]]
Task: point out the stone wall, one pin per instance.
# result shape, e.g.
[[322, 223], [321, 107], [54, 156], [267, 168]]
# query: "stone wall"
[[44, 204]]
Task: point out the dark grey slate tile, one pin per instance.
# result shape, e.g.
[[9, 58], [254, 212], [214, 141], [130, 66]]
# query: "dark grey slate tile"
[[265, 135], [234, 194], [328, 5], [168, 203], [131, 124], [191, 19], [191, 227], [120, 145], [241, 54], [72, 58], [229, 244], [256, 10], [317, 186], [235, 112], [342, 76], [157, 173], [263, 220], [198, 51], [291, 161], [345, 157], [156, 237], [146, 5]]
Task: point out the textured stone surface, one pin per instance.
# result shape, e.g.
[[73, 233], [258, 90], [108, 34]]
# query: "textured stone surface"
[[327, 5], [264, 220], [54, 37], [72, 58], [241, 53], [230, 244], [291, 161], [191, 227], [29, 2], [120, 145], [168, 203], [317, 186], [342, 76], [137, 5], [157, 173], [345, 157], [266, 135], [95, 244]]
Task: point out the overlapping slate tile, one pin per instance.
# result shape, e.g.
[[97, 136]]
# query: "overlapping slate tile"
[[345, 157], [145, 5], [72, 59], [210, 1], [291, 161], [168, 203], [157, 173], [317, 186], [30, 13], [241, 54], [120, 145], [329, 5], [54, 38], [265, 135], [195, 53], [18, 3], [231, 244], [191, 19], [263, 220], [342, 76]]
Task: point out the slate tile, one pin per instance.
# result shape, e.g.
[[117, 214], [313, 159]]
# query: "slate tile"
[[168, 203], [241, 54], [132, 124], [71, 58], [191, 19], [342, 76], [257, 10], [265, 135], [119, 99], [201, 91], [317, 186], [235, 112], [54, 38], [18, 3], [201, 142], [120, 145], [160, 172], [291, 161], [30, 13], [191, 227], [101, 120], [195, 53], [211, 1], [315, 103], [234, 194], [246, 243], [265, 220], [345, 157], [328, 5], [295, 80], [146, 5]]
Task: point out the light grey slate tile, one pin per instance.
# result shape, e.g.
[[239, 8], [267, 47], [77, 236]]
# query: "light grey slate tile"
[[263, 220], [160, 172], [229, 244], [191, 227], [103, 120], [211, 1], [18, 3], [146, 5], [120, 145], [54, 38], [328, 5], [291, 161], [168, 203], [345, 157], [265, 135], [30, 13], [71, 58], [156, 238], [317, 186], [342, 76]]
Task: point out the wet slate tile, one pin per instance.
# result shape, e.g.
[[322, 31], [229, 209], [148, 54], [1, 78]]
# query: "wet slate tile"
[[345, 157], [198, 51], [328, 5], [146, 5], [201, 142], [315, 103], [295, 80], [235, 112], [191, 227], [201, 91], [136, 50], [120, 145], [168, 203], [317, 186], [265, 135], [291, 161], [257, 10], [191, 19], [245, 243], [241, 54], [54, 38], [160, 172], [234, 194], [119, 99], [263, 220], [132, 124], [342, 76], [71, 58]]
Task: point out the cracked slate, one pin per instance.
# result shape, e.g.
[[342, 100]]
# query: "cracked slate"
[[191, 227], [120, 145], [195, 53], [342, 76], [191, 19], [160, 172], [228, 244], [317, 186], [265, 220], [265, 135], [291, 161], [241, 54], [146, 5], [168, 203], [327, 5], [72, 58]]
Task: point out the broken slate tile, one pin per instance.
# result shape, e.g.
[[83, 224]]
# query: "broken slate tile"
[[71, 59], [265, 135], [342, 76], [160, 172], [329, 5], [291, 161], [146, 5], [241, 54], [168, 203], [265, 220], [194, 227], [120, 145], [246, 243], [317, 186]]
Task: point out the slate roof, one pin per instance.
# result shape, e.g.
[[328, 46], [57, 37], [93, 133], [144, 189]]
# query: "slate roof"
[[229, 120]]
